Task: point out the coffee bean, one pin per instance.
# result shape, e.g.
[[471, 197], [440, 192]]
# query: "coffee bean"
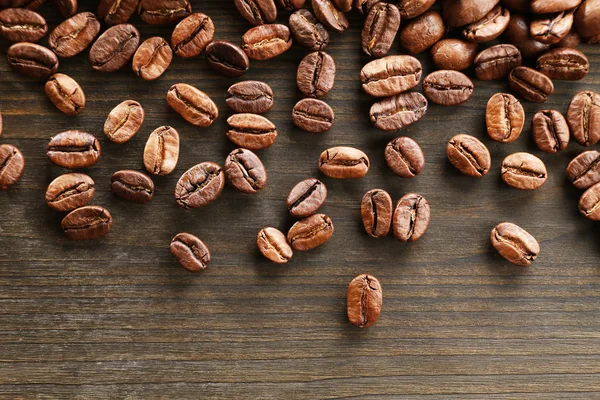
[[22, 25], [313, 115], [308, 31], [73, 149], [447, 87], [504, 118], [552, 6], [266, 41], [32, 60], [584, 170], [343, 5], [376, 211], [192, 104], [200, 185], [12, 164], [257, 12], [524, 171], [390, 75], [306, 198], [517, 33], [522, 6], [489, 27], [330, 15], [589, 203], [413, 8], [162, 151], [65, 93], [74, 35], [132, 186], [496, 62], [584, 117], [411, 217], [421, 33], [28, 4], [152, 58], [363, 6], [250, 97], [245, 171], [570, 41], [464, 12], [87, 223], [515, 244], [70, 191], [192, 35], [316, 74], [399, 111], [164, 12], [191, 252], [551, 30], [453, 54], [310, 232], [550, 131], [114, 48], [227, 59], [530, 84], [380, 29], [291, 4], [251, 131], [364, 301], [273, 245], [404, 156], [344, 163], [568, 64], [468, 155], [67, 8], [114, 12], [124, 121], [587, 18]]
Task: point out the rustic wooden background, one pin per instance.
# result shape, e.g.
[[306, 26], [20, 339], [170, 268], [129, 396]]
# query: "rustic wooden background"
[[118, 318]]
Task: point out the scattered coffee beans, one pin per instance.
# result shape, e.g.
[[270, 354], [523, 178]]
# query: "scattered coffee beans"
[[308, 31], [70, 191], [515, 244], [390, 75], [567, 64], [344, 163], [447, 87], [192, 35], [227, 59], [411, 217], [251, 131], [200, 185], [162, 151], [584, 170], [65, 93], [454, 54], [380, 28], [589, 203], [22, 25], [124, 121], [504, 118], [306, 198], [32, 60], [87, 223], [421, 33], [74, 35], [73, 149], [316, 74], [530, 84], [313, 115], [191, 252], [310, 232], [250, 97], [192, 104], [12, 164], [468, 155], [376, 210], [152, 58], [550, 131], [273, 245], [160, 12], [404, 156], [583, 117], [524, 171], [398, 111], [266, 41], [114, 48], [132, 186], [364, 301], [245, 171], [496, 62]]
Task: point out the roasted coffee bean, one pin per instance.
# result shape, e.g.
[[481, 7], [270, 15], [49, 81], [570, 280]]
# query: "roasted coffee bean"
[[65, 93], [28, 4], [344, 163], [587, 18], [517, 33], [12, 164], [552, 6], [515, 244], [584, 170], [363, 6], [114, 12], [413, 8], [468, 155], [257, 12], [313, 115], [530, 84], [87, 223], [266, 41], [571, 41], [504, 117], [200, 185], [73, 149], [114, 48], [74, 35], [390, 75], [316, 74], [379, 29], [191, 252], [489, 27], [330, 15], [308, 31], [343, 5], [550, 131], [152, 58], [521, 6], [376, 210], [291, 4], [22, 25], [551, 30], [411, 217], [524, 171], [164, 12], [496, 62], [70, 191], [306, 198], [245, 171], [67, 8], [32, 60], [132, 186], [227, 59], [250, 97], [453, 54], [162, 151], [310, 232], [589, 203], [251, 131], [192, 35], [398, 111], [584, 117], [447, 87], [463, 12], [364, 301], [404, 156], [124, 121], [273, 244], [192, 104], [421, 33], [568, 64]]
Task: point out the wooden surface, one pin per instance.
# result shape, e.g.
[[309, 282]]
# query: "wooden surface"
[[118, 318]]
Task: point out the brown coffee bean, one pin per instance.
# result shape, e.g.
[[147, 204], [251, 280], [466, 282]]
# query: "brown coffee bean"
[[343, 5], [496, 62], [22, 25], [316, 74], [380, 29], [266, 41], [453, 54], [515, 244], [413, 8], [330, 15], [517, 33], [65, 93], [306, 198], [273, 244], [291, 4], [257, 12], [587, 18], [114, 48], [251, 131], [313, 115], [87, 223], [376, 210], [132, 186], [73, 149], [344, 163], [70, 191], [489, 27], [411, 217], [192, 104], [250, 97], [12, 164], [589, 203], [568, 64], [390, 75], [550, 131], [308, 31], [584, 117], [67, 8], [468, 155], [245, 171], [584, 170], [164, 12], [421, 33], [162, 151], [192, 35], [200, 185], [114, 12], [524, 171], [124, 121], [552, 6], [363, 6], [463, 12], [447, 87], [227, 59], [191, 252], [404, 156], [152, 58], [364, 301], [551, 30], [311, 232], [530, 84], [28, 4], [504, 118], [399, 111], [32, 60], [74, 35], [571, 41]]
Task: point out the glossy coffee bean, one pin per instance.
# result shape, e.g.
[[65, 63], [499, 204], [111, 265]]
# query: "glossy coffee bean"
[[266, 41], [124, 121], [552, 6], [563, 64], [550, 131], [411, 217], [399, 111], [316, 74], [200, 185], [552, 29], [114, 12], [524, 171], [245, 171], [251, 131], [191, 252], [404, 157], [364, 301], [313, 115], [164, 12], [273, 244], [343, 5], [463, 12], [413, 8], [12, 164], [87, 223], [517, 33], [344, 163], [257, 12], [22, 25], [67, 8], [330, 16], [489, 27], [468, 155], [496, 62], [162, 151], [250, 97], [32, 60], [421, 33], [380, 29], [376, 211], [65, 93], [291, 4], [453, 54], [390, 75], [589, 203], [73, 149], [587, 18], [308, 31], [227, 59], [132, 186], [310, 232], [583, 117], [584, 170], [515, 244], [192, 35], [192, 104], [74, 35], [447, 87], [114, 48], [504, 117], [152, 58], [70, 191], [306, 198], [530, 84]]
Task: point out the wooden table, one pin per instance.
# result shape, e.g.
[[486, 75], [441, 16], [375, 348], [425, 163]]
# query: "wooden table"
[[118, 318]]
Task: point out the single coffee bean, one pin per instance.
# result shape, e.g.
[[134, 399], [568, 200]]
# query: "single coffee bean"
[[266, 41], [463, 12], [515, 244], [563, 63], [74, 35], [398, 111], [73, 149], [411, 217], [330, 15], [124, 121], [405, 157], [517, 33], [583, 117], [313, 115], [468, 155], [250, 97], [251, 131], [67, 8], [524, 171], [504, 117], [70, 191], [344, 163], [114, 48], [65, 93], [587, 18], [273, 244], [589, 203], [28, 4], [496, 62], [200, 185], [87, 223], [22, 25], [114, 12], [12, 164], [291, 4], [551, 30], [132, 186], [162, 151], [413, 8], [521, 6], [550, 131], [584, 170], [343, 5], [380, 29], [152, 58], [552, 6], [32, 60], [257, 12], [530, 84], [245, 171], [192, 104], [376, 210], [363, 6], [308, 31], [191, 252], [447, 87], [364, 301], [390, 75], [310, 232], [454, 54], [227, 59], [192, 35], [316, 74], [421, 33], [164, 12], [489, 27], [306, 198]]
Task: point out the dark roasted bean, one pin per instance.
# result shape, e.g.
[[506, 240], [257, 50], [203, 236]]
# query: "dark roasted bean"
[[330, 15], [310, 232], [65, 93], [563, 63], [291, 4], [162, 151], [530, 84], [589, 203], [364, 301], [192, 104], [251, 131], [22, 25], [553, 29], [404, 156], [584, 117], [87, 223], [398, 111], [447, 87], [584, 170], [413, 8], [313, 115], [376, 211], [70, 191], [379, 29], [266, 41], [524, 171], [421, 33], [250, 97], [191, 252], [468, 155], [496, 62], [517, 33], [163, 12], [73, 149], [453, 54], [308, 31], [114, 12], [32, 60], [515, 244], [227, 59], [273, 244], [192, 35], [12, 164], [245, 171], [411, 217], [132, 186], [124, 121], [489, 27], [200, 185], [464, 12], [552, 6], [306, 198], [67, 8], [74, 35], [504, 117], [390, 75], [152, 58], [587, 18], [316, 74], [114, 48], [257, 12], [571, 41], [344, 163], [550, 131]]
